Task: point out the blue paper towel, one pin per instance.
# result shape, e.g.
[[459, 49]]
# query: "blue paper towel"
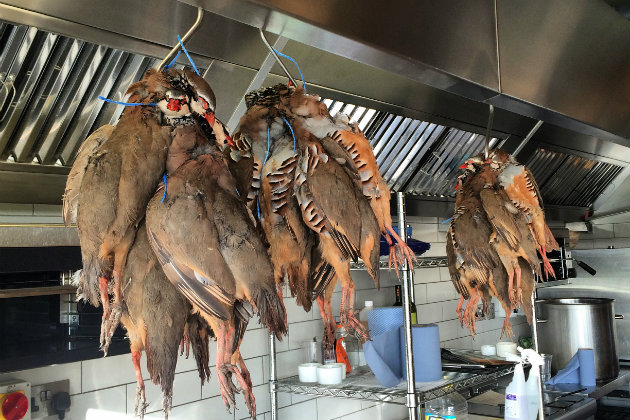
[[579, 370], [427, 357], [384, 319], [586, 358], [382, 357]]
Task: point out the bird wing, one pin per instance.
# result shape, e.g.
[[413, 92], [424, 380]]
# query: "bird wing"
[[326, 198], [201, 290], [471, 233], [494, 203], [453, 266], [75, 177]]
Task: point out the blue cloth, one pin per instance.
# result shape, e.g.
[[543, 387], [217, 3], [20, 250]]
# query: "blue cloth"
[[382, 356], [580, 368]]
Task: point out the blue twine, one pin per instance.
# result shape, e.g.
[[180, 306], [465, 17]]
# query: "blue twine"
[[169, 65], [164, 196], [447, 220], [127, 103], [237, 193], [188, 55], [268, 148], [296, 65], [292, 133], [258, 207]]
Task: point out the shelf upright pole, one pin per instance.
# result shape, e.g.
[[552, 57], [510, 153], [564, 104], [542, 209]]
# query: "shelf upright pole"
[[273, 390], [541, 409], [412, 400]]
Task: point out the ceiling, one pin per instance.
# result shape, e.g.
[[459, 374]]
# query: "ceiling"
[[429, 108]]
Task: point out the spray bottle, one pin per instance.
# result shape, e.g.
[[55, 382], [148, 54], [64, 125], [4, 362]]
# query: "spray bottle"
[[516, 405], [532, 385]]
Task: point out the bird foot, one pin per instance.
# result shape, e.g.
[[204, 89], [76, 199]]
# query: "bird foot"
[[141, 405], [507, 329], [353, 326], [548, 268], [109, 325], [227, 387], [167, 404]]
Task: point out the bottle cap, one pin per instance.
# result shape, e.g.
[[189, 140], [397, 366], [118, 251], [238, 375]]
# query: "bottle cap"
[[369, 303]]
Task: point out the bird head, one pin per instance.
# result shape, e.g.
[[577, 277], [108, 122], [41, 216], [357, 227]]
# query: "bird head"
[[203, 101], [174, 104], [499, 158], [472, 164]]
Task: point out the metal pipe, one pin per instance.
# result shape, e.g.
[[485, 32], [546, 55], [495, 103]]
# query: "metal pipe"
[[527, 138], [273, 377], [272, 51], [541, 406], [488, 129], [412, 400], [185, 38]]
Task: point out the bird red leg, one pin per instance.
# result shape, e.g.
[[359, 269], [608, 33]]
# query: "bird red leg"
[[459, 310], [507, 326], [141, 399], [224, 373], [325, 309], [511, 286], [405, 251], [103, 285], [546, 263], [244, 379], [469, 312], [392, 259], [184, 344], [348, 318], [110, 323], [518, 291]]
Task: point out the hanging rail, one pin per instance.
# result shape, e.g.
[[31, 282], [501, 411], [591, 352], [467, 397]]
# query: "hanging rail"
[[488, 129], [273, 52], [185, 38]]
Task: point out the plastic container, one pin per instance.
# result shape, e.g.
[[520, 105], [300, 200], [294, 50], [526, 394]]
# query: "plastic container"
[[449, 407], [516, 404], [363, 313], [533, 381]]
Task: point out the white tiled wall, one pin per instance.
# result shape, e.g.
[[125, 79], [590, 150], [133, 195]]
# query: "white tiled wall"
[[605, 235], [105, 388]]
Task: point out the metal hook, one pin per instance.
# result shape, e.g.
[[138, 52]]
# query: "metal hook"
[[5, 85], [272, 51], [185, 38], [490, 119]]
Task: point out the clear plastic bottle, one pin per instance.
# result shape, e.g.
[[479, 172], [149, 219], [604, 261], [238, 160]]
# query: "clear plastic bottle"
[[363, 313], [449, 407]]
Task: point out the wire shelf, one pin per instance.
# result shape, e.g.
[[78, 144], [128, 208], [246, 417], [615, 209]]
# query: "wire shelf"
[[422, 262], [362, 385]]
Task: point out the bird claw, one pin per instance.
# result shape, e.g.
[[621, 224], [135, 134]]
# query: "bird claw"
[[227, 387], [109, 325], [353, 326], [507, 329], [141, 405]]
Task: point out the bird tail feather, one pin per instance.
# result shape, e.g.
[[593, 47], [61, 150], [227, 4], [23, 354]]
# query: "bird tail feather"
[[270, 311], [198, 333]]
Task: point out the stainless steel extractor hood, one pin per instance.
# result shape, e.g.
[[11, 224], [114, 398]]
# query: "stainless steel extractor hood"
[[424, 100]]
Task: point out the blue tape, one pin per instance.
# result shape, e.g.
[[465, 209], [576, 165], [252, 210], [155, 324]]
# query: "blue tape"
[[448, 220]]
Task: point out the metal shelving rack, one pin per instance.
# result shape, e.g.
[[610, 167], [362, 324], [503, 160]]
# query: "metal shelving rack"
[[362, 383]]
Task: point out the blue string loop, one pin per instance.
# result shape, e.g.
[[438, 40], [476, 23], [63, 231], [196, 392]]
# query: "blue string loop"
[[169, 65], [127, 103], [296, 65], [292, 133], [188, 55], [268, 148], [447, 220], [164, 196]]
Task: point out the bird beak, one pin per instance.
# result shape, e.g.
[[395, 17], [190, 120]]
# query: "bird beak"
[[229, 141], [209, 116], [463, 166], [457, 186]]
